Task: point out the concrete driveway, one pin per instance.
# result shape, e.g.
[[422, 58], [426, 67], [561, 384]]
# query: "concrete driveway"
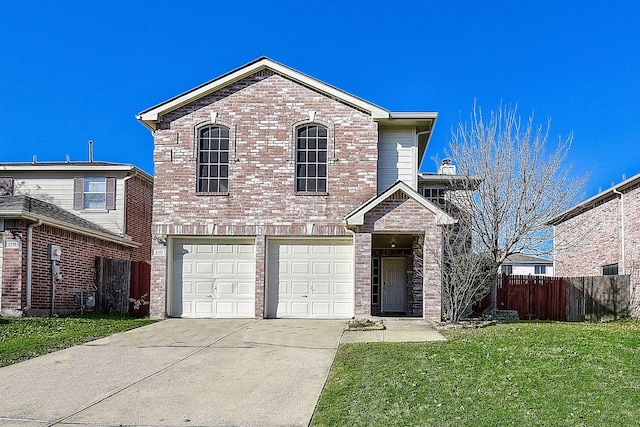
[[178, 372]]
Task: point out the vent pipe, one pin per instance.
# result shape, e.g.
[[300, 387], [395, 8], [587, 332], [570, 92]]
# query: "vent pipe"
[[90, 151]]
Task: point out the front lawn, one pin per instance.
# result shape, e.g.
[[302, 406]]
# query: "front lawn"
[[551, 374], [24, 338]]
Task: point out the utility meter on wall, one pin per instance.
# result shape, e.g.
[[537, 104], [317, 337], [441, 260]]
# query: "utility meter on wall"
[[54, 252]]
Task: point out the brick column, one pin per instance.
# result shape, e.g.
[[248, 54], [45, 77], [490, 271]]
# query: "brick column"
[[261, 258], [362, 248], [432, 278], [158, 294]]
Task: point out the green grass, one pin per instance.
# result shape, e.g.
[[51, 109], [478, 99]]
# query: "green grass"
[[24, 338], [517, 374]]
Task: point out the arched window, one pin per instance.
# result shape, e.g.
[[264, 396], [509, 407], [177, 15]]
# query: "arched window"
[[213, 159], [311, 159]]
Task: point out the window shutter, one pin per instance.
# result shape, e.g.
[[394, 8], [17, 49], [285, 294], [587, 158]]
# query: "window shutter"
[[78, 192], [110, 202]]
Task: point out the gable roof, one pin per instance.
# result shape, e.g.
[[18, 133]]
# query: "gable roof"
[[600, 198], [26, 207], [151, 116], [526, 259], [357, 216]]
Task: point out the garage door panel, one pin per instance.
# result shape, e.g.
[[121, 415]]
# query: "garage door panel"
[[306, 278], [213, 280], [342, 288], [202, 288], [246, 309], [299, 267], [321, 308], [247, 268], [299, 309], [203, 307], [343, 309], [203, 267], [322, 288], [299, 288], [322, 267], [246, 289]]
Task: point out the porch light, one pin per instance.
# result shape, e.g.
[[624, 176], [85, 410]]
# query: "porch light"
[[393, 244]]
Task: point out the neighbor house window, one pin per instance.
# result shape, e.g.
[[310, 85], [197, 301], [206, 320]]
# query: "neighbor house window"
[[610, 270], [213, 159], [311, 159], [94, 193], [540, 269], [507, 269]]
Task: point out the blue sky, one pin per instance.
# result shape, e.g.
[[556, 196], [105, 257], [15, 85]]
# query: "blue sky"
[[74, 71]]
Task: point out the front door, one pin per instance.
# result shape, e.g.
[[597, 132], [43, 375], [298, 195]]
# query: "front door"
[[394, 283]]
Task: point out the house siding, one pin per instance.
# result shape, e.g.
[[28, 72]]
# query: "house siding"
[[261, 112]]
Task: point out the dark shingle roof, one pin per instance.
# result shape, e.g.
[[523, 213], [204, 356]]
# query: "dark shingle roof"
[[24, 204]]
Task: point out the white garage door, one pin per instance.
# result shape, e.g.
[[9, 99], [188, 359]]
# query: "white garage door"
[[213, 279], [311, 278]]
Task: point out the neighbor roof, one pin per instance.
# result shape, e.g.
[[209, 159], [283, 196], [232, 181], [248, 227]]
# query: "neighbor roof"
[[526, 259], [26, 207], [596, 200], [151, 116], [73, 166]]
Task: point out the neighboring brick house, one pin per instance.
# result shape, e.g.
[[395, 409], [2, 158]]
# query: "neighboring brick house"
[[277, 195], [601, 236], [88, 209]]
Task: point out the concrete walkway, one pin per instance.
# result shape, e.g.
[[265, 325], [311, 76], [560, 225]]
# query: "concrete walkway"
[[396, 330], [182, 372]]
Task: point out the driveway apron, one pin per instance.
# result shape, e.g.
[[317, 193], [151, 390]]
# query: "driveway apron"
[[178, 372]]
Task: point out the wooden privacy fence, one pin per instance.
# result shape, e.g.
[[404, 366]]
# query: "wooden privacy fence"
[[561, 298], [118, 281]]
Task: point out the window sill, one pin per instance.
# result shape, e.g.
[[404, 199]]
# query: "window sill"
[[226, 193], [309, 193]]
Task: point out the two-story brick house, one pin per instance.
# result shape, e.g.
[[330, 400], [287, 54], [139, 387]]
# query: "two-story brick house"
[[601, 236], [86, 209], [277, 195]]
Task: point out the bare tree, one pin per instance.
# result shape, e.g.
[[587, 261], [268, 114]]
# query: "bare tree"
[[521, 186], [466, 276]]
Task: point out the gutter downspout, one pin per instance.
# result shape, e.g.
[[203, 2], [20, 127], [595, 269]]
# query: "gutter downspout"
[[30, 228], [124, 201], [622, 240]]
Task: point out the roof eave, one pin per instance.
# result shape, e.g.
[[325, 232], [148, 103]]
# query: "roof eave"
[[151, 116]]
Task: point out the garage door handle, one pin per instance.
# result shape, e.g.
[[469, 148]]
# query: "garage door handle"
[[305, 296], [209, 296]]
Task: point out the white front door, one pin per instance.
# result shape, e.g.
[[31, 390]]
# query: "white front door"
[[394, 283]]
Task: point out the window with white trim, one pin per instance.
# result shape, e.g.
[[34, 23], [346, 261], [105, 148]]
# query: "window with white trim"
[[540, 269], [311, 159], [94, 193], [213, 160]]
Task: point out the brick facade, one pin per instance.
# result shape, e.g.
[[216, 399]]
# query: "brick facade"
[[592, 239], [262, 105], [139, 204], [400, 213], [76, 265], [262, 112]]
